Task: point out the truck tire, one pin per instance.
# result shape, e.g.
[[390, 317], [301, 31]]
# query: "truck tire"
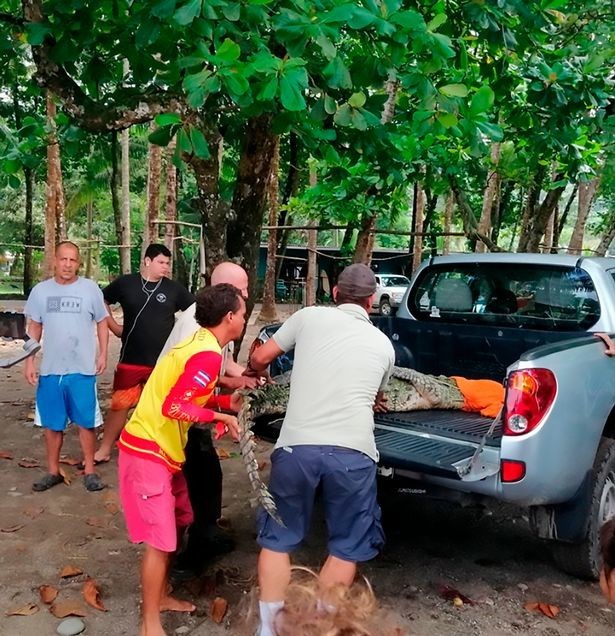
[[583, 559], [385, 306]]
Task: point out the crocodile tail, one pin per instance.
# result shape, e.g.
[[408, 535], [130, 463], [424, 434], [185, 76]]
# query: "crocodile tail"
[[247, 447]]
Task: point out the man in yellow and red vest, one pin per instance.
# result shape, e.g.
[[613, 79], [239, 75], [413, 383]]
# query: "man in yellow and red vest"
[[179, 393]]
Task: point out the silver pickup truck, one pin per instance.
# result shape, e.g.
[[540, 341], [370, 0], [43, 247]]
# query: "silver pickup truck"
[[521, 319], [525, 320]]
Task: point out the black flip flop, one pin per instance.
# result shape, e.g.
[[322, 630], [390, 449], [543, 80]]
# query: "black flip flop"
[[93, 482], [47, 482]]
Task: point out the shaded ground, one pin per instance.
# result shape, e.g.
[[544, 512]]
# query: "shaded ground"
[[489, 556]]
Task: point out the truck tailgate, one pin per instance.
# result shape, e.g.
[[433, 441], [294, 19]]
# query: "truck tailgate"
[[432, 441]]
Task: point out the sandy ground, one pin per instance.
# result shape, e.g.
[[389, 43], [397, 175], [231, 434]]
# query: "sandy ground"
[[487, 555]]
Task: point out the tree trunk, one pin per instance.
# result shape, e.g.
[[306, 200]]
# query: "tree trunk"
[[312, 243], [268, 311], [290, 190], [534, 230], [490, 193], [125, 266], [431, 202], [154, 167], [89, 210], [250, 196], [607, 237], [28, 278], [115, 187], [449, 206], [587, 191], [171, 202], [564, 217], [55, 220], [506, 190], [365, 241], [549, 232], [419, 206]]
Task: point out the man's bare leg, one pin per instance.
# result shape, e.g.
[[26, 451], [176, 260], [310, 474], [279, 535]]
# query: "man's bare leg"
[[336, 571], [153, 584], [273, 580], [53, 445], [114, 423], [87, 439]]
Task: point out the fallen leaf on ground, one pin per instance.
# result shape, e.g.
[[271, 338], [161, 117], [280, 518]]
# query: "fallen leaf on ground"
[[65, 476], [33, 512], [17, 526], [218, 609], [69, 461], [222, 453], [262, 465], [48, 593], [91, 594], [112, 503], [449, 593], [224, 522], [70, 570], [28, 462], [62, 609], [96, 522], [30, 415], [25, 610], [550, 611], [6, 455]]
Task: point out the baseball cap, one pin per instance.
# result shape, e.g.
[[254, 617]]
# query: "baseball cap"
[[357, 280]]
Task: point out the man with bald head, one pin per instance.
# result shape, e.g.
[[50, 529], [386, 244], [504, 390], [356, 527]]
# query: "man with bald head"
[[202, 469]]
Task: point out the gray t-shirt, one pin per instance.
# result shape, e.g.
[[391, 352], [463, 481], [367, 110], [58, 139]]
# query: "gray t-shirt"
[[68, 314], [341, 362]]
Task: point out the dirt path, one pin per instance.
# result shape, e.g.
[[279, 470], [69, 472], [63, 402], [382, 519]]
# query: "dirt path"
[[489, 556]]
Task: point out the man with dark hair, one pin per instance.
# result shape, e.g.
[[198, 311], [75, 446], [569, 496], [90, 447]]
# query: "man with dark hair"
[[179, 392], [149, 301], [341, 367], [67, 307]]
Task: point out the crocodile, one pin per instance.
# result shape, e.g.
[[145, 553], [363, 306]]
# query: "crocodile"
[[407, 390]]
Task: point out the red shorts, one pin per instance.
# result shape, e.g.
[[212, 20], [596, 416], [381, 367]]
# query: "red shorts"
[[155, 501], [128, 383]]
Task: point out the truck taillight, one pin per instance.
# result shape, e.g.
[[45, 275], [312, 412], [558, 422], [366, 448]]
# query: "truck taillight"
[[529, 395]]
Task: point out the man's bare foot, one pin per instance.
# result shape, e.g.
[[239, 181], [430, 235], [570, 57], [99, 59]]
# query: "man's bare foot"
[[154, 630], [101, 457], [172, 604]]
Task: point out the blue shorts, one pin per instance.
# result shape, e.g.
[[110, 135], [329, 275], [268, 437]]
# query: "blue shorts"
[[352, 513], [61, 399]]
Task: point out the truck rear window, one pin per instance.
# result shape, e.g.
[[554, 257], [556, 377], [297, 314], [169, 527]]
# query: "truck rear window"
[[533, 296]]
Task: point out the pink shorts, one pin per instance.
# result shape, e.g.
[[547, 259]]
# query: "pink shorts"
[[155, 501]]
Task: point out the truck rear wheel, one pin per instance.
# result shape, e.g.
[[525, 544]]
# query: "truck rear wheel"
[[583, 559]]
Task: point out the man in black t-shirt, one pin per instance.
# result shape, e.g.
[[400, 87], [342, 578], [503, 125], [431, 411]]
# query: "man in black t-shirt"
[[149, 301]]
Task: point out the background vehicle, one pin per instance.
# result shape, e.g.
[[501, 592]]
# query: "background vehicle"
[[390, 292], [522, 319]]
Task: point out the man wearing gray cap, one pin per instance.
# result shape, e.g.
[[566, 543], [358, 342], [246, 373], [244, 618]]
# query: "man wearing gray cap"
[[341, 367]]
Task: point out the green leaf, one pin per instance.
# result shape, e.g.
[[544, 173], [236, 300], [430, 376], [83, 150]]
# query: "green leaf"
[[454, 90], [330, 105], [442, 45], [340, 13], [291, 94], [166, 119], [163, 135], [360, 17], [183, 142], [438, 20], [357, 100], [36, 32], [164, 9], [482, 100], [232, 11], [358, 121], [493, 131], [199, 143], [186, 14], [195, 81], [11, 166], [236, 83], [269, 90], [411, 20], [327, 47], [14, 181], [229, 51], [448, 120], [265, 62], [337, 74], [343, 116]]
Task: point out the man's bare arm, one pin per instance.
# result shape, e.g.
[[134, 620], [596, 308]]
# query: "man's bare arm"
[[34, 330], [114, 327]]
